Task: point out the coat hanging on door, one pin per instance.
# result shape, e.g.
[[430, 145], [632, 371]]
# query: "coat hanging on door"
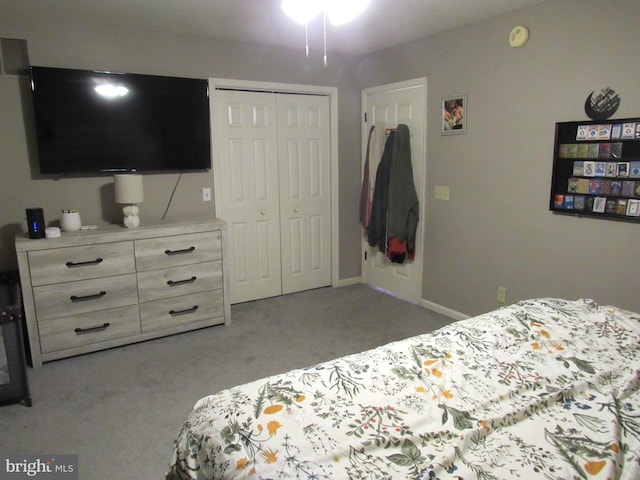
[[403, 206], [375, 147], [377, 235], [395, 208], [365, 192]]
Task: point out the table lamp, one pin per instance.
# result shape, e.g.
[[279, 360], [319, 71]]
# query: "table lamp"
[[128, 192]]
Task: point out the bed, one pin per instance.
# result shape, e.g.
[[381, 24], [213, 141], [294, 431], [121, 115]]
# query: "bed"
[[545, 388]]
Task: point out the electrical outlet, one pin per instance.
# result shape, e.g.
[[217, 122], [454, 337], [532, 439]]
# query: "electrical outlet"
[[502, 294], [206, 194]]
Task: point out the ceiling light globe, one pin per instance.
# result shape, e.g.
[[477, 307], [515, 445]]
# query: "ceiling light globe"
[[302, 11]]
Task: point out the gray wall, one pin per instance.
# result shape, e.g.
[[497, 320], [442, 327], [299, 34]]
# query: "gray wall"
[[495, 230], [81, 46]]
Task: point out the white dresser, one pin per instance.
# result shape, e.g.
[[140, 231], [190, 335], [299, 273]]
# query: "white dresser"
[[97, 289]]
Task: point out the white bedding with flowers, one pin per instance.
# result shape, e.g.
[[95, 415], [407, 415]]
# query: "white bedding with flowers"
[[544, 388]]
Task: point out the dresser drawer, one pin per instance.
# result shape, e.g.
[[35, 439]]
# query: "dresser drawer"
[[85, 296], [88, 328], [182, 310], [176, 250], [79, 263], [173, 282]]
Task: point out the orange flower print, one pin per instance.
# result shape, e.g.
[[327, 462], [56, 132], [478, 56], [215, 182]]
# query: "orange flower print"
[[594, 467], [436, 372], [273, 427], [242, 463], [421, 389], [269, 456], [446, 393], [271, 409], [429, 362], [544, 333], [300, 398], [535, 346]]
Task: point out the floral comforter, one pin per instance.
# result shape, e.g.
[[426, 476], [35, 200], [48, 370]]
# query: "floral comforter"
[[544, 388]]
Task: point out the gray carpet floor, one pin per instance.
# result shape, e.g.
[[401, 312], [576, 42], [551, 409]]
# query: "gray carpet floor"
[[120, 409]]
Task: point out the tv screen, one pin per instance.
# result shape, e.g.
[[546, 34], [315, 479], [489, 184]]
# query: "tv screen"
[[91, 122]]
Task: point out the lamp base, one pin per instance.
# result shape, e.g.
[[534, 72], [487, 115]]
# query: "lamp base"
[[131, 218]]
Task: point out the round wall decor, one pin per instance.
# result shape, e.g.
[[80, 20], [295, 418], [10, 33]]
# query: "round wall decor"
[[518, 36], [602, 105]]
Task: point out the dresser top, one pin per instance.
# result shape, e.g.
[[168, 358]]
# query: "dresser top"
[[118, 233]]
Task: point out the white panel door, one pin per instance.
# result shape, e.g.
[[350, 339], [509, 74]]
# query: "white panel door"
[[386, 106], [245, 131], [273, 159], [305, 191]]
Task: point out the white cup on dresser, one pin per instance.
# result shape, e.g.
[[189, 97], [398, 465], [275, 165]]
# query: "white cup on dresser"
[[70, 221]]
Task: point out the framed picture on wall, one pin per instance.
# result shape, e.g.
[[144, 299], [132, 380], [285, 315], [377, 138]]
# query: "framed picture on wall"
[[454, 115]]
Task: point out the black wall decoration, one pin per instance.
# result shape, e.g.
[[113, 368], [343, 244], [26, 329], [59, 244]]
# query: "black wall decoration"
[[603, 105]]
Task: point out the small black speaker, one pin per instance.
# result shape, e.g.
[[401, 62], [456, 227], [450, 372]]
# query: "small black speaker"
[[35, 222]]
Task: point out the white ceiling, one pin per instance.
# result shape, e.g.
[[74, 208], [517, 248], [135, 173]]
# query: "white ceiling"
[[383, 24]]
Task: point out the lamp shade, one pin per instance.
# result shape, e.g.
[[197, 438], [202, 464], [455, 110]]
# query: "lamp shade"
[[128, 189]]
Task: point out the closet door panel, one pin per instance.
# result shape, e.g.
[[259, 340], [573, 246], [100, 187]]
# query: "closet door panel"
[[245, 128], [303, 131]]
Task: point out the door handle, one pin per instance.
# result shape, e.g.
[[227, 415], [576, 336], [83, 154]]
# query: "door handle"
[[263, 212], [296, 209]]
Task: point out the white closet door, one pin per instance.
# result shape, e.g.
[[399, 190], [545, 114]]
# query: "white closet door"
[[305, 191], [245, 129], [273, 152]]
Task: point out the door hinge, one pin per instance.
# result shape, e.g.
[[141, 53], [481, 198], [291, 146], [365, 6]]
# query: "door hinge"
[[365, 255], [365, 117]]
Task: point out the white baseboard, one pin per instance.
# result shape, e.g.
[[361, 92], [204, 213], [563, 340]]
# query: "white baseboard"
[[347, 281], [447, 312], [443, 310]]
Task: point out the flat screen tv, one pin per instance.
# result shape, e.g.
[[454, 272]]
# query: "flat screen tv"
[[92, 122]]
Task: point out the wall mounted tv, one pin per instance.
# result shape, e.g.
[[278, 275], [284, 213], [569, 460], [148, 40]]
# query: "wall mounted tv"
[[92, 122]]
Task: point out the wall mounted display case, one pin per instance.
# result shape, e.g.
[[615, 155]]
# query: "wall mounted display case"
[[596, 169]]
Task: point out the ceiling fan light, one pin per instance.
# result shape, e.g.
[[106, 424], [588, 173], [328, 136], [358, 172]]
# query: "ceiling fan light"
[[301, 11], [343, 11]]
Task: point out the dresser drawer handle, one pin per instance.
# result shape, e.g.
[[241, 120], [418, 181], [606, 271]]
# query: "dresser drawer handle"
[[175, 283], [95, 296], [179, 252], [99, 328], [174, 313], [84, 264]]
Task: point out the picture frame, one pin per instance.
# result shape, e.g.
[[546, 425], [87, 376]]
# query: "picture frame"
[[454, 115]]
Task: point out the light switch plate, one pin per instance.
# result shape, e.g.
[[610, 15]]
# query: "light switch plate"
[[442, 192]]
